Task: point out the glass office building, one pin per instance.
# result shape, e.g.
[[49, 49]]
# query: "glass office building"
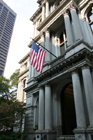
[[7, 20]]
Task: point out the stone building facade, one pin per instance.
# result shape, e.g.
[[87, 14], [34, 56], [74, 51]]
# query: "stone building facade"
[[23, 77], [60, 100]]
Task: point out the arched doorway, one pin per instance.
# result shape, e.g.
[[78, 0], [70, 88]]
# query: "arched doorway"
[[68, 110]]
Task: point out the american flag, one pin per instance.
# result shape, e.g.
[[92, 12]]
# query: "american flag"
[[37, 57]]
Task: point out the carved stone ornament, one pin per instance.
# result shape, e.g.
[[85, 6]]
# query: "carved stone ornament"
[[65, 14], [72, 7]]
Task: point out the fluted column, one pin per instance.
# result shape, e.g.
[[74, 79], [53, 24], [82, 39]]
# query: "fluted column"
[[68, 29], [88, 39], [56, 46], [32, 72], [78, 100], [41, 108], [89, 32], [47, 45], [76, 24], [34, 30], [48, 113], [52, 46], [29, 71], [43, 11], [88, 86], [42, 40], [59, 52], [47, 8]]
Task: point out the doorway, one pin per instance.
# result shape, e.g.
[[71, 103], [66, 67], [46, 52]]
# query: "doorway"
[[68, 110]]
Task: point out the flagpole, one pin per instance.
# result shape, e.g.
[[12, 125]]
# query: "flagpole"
[[44, 47]]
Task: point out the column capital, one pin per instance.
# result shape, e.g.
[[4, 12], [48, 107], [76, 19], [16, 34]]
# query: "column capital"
[[72, 7], [40, 87], [56, 38], [47, 84], [47, 30], [43, 33], [43, 4], [34, 22], [66, 14], [85, 67], [46, 0], [74, 71], [84, 19]]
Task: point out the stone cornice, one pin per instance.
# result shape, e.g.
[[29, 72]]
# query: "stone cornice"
[[35, 14], [22, 73], [78, 43], [30, 87], [62, 63], [24, 58], [61, 66], [83, 3], [36, 39]]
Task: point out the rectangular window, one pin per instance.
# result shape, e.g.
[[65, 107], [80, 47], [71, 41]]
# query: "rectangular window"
[[5, 9]]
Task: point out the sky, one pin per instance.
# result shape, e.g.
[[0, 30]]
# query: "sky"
[[22, 33]]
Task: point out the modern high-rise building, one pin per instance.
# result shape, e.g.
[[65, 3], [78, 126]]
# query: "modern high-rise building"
[[7, 20]]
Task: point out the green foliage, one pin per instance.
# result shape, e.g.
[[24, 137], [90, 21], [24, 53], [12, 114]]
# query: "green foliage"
[[11, 110], [8, 87], [14, 78], [14, 136], [10, 113], [4, 86]]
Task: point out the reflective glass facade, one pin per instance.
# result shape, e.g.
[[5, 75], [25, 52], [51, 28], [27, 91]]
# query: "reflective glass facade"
[[7, 19]]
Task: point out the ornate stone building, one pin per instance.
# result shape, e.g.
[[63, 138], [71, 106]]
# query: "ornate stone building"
[[60, 100], [23, 77]]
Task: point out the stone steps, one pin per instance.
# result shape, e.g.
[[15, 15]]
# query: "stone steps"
[[66, 137]]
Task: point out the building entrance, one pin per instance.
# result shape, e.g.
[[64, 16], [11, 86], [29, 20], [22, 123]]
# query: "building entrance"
[[68, 110]]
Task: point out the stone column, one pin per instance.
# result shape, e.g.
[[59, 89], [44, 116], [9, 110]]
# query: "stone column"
[[41, 109], [52, 47], [88, 86], [76, 24], [89, 32], [34, 30], [48, 113], [29, 71], [78, 100], [47, 45], [33, 72], [47, 8], [59, 52], [88, 39], [56, 46], [43, 12], [42, 40], [68, 29]]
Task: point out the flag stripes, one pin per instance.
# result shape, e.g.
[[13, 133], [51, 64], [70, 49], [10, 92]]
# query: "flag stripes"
[[37, 57]]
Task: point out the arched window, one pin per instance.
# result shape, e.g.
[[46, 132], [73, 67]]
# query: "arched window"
[[90, 18]]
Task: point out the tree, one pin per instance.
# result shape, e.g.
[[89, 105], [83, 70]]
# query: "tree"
[[4, 87], [14, 79], [11, 110]]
